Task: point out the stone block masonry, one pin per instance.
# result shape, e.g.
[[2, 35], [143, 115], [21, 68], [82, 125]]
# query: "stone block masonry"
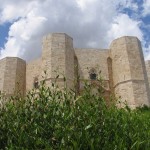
[[129, 72], [13, 75], [122, 67]]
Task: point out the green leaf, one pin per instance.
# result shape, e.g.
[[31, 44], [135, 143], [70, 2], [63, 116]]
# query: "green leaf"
[[88, 127]]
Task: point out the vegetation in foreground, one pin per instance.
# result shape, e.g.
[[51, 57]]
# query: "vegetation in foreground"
[[56, 119]]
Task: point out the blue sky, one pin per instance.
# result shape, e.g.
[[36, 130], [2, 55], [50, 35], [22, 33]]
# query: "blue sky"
[[4, 29], [91, 23], [145, 22]]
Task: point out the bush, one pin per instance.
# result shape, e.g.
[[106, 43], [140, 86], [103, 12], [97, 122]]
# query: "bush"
[[49, 118]]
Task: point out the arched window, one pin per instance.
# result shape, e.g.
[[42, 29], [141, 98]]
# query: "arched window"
[[92, 74], [36, 83]]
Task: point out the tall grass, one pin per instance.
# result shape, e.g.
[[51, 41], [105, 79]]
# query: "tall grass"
[[49, 118]]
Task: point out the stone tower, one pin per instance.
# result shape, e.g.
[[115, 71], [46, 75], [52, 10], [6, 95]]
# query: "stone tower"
[[12, 75], [58, 58], [129, 72]]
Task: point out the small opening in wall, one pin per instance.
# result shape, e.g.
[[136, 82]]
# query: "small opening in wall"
[[36, 83], [92, 74]]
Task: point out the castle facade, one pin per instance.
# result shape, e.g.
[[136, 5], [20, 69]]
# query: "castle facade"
[[122, 67]]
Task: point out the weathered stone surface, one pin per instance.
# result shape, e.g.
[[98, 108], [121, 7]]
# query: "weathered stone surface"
[[129, 72], [92, 59], [122, 68], [2, 73], [33, 71], [14, 72], [147, 63]]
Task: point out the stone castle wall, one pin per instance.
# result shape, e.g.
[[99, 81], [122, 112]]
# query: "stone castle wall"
[[13, 75], [61, 62], [129, 74], [122, 68], [2, 73], [89, 59], [147, 63], [33, 70]]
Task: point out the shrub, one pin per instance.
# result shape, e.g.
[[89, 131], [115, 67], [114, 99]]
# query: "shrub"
[[49, 118]]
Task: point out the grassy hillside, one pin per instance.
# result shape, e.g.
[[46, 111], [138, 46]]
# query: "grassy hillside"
[[55, 119]]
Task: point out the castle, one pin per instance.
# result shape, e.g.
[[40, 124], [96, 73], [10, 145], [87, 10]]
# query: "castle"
[[122, 67]]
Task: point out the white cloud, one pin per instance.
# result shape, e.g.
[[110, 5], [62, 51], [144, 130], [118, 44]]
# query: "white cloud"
[[12, 10], [22, 37], [91, 23], [83, 4], [146, 6], [131, 4], [123, 25]]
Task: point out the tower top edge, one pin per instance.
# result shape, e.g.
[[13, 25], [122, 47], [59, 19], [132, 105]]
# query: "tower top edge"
[[56, 34], [8, 57]]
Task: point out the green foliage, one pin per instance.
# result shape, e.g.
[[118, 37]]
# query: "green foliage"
[[50, 118]]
